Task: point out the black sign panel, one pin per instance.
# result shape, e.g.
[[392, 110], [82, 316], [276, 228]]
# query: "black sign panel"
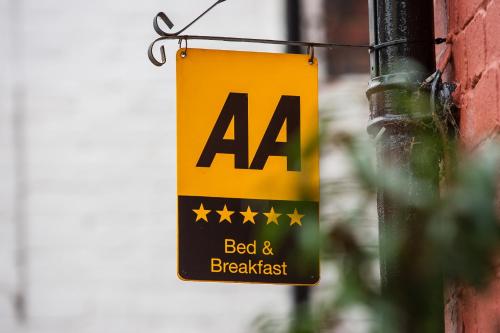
[[244, 240]]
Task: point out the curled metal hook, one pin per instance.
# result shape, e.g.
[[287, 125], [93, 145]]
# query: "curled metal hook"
[[165, 35], [162, 52], [162, 16]]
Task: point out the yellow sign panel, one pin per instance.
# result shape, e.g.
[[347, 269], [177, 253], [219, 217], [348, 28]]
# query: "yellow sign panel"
[[205, 79], [248, 166]]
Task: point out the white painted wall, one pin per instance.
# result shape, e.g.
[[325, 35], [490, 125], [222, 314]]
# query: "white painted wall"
[[100, 169]]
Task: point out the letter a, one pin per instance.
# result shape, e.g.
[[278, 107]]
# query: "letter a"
[[288, 109], [236, 106]]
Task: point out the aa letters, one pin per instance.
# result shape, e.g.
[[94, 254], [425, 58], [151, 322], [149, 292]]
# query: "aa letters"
[[235, 109]]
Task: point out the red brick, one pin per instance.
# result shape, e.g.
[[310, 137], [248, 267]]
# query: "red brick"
[[460, 62], [440, 23], [466, 10], [492, 28], [476, 42], [468, 311], [458, 95], [479, 114], [467, 120], [478, 311], [488, 318], [453, 25], [440, 18]]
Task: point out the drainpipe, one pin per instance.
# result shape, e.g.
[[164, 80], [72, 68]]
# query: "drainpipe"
[[293, 24], [402, 31]]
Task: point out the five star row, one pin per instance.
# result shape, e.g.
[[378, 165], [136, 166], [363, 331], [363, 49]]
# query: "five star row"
[[248, 215]]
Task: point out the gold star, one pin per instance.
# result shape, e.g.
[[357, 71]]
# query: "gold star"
[[272, 217], [201, 213], [295, 217], [248, 216], [225, 215]]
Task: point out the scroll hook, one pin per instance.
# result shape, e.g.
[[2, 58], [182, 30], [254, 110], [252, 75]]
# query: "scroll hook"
[[163, 17]]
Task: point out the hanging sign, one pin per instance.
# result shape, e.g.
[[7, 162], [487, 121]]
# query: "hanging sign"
[[247, 167]]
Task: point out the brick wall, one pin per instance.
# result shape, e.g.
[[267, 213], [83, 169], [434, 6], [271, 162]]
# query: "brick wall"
[[347, 22], [473, 28]]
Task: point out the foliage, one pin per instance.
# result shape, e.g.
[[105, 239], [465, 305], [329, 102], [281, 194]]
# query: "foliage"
[[438, 239]]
